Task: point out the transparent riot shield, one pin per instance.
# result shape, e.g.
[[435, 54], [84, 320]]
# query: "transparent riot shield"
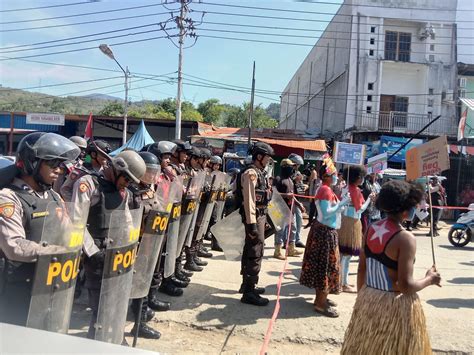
[[190, 203], [173, 228], [279, 212], [221, 198], [56, 272], [230, 233], [153, 227], [120, 256], [217, 182]]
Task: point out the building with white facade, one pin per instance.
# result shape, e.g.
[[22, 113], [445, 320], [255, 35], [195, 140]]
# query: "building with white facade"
[[381, 67]]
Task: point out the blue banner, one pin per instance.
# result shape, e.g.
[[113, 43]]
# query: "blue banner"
[[390, 145]]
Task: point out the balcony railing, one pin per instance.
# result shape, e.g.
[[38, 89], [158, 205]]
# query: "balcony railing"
[[403, 122]]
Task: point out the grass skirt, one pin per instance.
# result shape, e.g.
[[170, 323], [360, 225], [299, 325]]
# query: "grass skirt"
[[350, 236], [386, 323]]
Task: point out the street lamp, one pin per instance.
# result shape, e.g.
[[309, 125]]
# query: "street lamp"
[[108, 52]]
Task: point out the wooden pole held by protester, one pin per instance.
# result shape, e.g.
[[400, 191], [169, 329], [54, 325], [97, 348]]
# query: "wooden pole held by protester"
[[431, 220]]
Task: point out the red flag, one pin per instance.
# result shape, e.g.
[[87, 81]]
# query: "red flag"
[[88, 132]]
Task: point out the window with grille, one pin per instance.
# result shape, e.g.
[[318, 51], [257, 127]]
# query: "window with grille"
[[430, 91], [372, 41], [401, 108], [430, 102], [462, 93], [397, 46]]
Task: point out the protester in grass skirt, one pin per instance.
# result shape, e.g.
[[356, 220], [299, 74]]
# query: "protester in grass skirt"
[[320, 269], [350, 232], [387, 316]]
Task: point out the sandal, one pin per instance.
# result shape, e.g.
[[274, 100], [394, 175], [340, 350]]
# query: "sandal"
[[348, 289], [330, 312]]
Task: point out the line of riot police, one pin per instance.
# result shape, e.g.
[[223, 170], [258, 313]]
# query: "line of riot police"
[[131, 226]]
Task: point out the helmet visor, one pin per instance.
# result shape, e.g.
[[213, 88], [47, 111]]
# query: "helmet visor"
[[53, 146], [151, 174]]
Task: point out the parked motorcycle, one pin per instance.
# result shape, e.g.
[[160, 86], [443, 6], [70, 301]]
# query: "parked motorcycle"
[[462, 232]]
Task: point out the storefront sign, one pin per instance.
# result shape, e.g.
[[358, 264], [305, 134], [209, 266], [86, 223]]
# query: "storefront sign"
[[428, 159], [45, 118], [348, 153]]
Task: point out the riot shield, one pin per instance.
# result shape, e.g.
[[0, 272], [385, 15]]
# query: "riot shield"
[[189, 206], [120, 256], [230, 233], [154, 227], [55, 277], [217, 182], [279, 212], [173, 228], [221, 198]]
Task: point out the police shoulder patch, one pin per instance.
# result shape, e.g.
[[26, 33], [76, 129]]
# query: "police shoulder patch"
[[7, 209], [253, 177], [83, 187]]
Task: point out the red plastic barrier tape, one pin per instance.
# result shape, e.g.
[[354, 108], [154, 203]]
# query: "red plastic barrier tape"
[[276, 310]]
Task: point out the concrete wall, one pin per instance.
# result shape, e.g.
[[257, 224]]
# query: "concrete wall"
[[353, 63]]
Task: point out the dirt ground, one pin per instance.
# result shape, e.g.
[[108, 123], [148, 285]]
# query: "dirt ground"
[[209, 317]]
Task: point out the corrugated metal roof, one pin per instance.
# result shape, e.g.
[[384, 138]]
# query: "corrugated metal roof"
[[20, 123], [468, 102]]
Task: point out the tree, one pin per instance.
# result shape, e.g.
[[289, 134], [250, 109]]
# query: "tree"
[[112, 109], [211, 111], [236, 116], [273, 110]]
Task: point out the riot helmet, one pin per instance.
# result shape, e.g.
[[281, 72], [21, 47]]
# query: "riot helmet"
[[161, 148], [130, 164], [41, 146], [99, 146], [153, 168], [296, 159], [182, 146], [261, 148], [216, 160], [79, 141]]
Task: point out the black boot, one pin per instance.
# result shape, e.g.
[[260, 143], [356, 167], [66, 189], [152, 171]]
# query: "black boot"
[[202, 251], [182, 277], [257, 290], [155, 304], [198, 261], [146, 332], [148, 314], [177, 282], [215, 245], [254, 299], [250, 296], [168, 288], [192, 266]]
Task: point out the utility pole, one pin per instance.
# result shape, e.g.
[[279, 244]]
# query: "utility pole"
[[251, 104], [182, 34]]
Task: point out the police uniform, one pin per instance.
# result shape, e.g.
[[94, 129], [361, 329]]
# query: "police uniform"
[[66, 188], [22, 216], [104, 198], [255, 195]]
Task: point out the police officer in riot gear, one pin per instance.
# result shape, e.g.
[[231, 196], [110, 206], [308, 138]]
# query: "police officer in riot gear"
[[180, 156], [254, 194], [144, 195], [215, 163], [95, 161], [81, 143], [170, 285], [106, 192], [200, 158], [23, 206]]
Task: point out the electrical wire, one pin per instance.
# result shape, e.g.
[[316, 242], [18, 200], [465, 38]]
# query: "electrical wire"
[[85, 41], [300, 19], [84, 22], [60, 84], [85, 49], [317, 39], [46, 7], [312, 12], [308, 29], [83, 14]]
